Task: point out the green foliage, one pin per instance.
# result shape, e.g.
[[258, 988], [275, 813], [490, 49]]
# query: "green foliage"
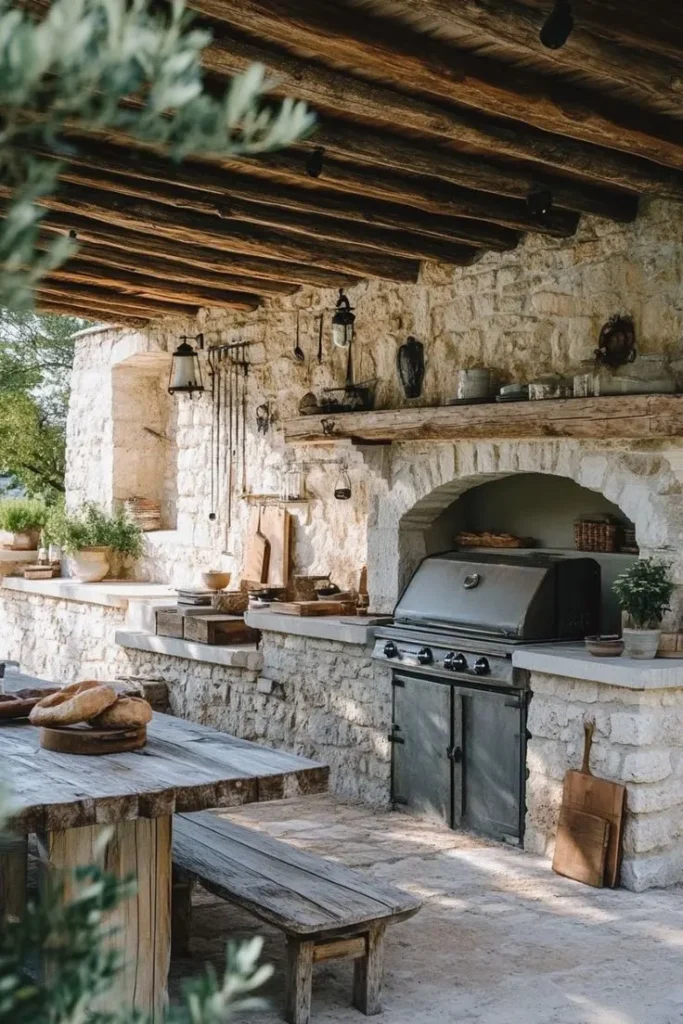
[[68, 933], [91, 527], [644, 591], [36, 354], [93, 65], [18, 515]]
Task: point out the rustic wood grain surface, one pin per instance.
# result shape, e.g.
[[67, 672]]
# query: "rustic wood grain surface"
[[184, 767]]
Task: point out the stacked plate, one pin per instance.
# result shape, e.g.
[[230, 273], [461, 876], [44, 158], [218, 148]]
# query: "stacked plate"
[[146, 513]]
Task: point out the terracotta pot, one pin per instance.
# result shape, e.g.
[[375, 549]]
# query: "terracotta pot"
[[641, 643], [27, 540], [89, 565]]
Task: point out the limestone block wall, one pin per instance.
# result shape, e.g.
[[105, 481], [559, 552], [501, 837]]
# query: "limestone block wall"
[[638, 740], [530, 311]]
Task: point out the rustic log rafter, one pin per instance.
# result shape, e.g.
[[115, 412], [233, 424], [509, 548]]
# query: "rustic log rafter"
[[381, 49], [332, 90]]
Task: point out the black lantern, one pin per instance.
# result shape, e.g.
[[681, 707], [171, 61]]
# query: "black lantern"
[[186, 372], [343, 321], [558, 25]]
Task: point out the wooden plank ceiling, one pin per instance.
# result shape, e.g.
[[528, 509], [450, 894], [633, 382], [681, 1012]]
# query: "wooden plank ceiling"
[[445, 127]]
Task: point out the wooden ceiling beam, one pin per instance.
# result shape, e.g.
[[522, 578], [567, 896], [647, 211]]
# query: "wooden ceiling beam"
[[352, 97], [128, 240], [181, 273], [202, 179], [516, 27], [105, 299], [391, 152], [148, 286], [73, 307], [398, 243], [181, 226], [381, 49]]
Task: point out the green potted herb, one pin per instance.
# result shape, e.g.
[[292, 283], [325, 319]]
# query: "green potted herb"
[[22, 519], [644, 592], [89, 536]]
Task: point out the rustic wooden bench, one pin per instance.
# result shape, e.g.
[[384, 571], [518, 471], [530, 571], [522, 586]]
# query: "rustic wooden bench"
[[326, 910]]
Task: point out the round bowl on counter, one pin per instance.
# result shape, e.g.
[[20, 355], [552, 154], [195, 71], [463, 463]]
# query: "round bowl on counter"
[[604, 646], [214, 579]]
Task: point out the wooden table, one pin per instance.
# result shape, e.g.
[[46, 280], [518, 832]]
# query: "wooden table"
[[69, 799]]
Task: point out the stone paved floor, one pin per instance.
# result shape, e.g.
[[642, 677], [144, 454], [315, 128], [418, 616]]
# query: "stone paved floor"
[[500, 940]]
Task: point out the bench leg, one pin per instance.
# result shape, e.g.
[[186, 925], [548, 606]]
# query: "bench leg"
[[181, 913], [299, 981], [367, 974]]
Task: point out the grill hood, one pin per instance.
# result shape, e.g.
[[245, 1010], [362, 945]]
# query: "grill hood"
[[525, 597]]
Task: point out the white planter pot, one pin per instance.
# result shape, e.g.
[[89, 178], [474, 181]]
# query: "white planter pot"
[[89, 565], [641, 643], [26, 541]]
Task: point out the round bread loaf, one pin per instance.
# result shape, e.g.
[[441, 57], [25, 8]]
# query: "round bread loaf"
[[76, 703], [125, 713]]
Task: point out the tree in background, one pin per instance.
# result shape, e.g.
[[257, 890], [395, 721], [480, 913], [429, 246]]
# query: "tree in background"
[[36, 355]]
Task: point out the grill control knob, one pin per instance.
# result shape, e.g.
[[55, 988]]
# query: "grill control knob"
[[390, 649], [481, 667], [455, 662], [425, 656]]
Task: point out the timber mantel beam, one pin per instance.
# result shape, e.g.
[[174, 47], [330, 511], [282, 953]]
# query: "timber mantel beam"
[[382, 50], [105, 299], [74, 307]]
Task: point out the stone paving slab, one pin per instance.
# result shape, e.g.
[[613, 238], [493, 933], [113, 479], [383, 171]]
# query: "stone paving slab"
[[500, 940]]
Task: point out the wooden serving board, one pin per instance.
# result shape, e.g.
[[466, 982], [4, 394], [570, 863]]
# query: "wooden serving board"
[[581, 846], [602, 798], [81, 739], [309, 608]]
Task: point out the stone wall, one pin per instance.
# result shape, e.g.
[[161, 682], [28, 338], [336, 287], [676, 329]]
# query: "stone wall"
[[536, 309], [638, 740]]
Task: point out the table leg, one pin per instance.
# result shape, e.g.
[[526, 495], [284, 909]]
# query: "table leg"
[[143, 848], [13, 875]]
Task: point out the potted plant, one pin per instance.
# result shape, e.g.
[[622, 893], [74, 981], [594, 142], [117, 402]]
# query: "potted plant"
[[23, 519], [89, 536], [644, 592]]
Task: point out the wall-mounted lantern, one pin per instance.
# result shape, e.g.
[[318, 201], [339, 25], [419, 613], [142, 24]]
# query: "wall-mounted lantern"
[[186, 372], [343, 321]]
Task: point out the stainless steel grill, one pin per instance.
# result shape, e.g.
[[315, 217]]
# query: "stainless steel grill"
[[459, 705]]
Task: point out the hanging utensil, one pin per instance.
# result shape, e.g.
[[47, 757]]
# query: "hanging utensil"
[[244, 419], [320, 338], [298, 351], [212, 372], [227, 448]]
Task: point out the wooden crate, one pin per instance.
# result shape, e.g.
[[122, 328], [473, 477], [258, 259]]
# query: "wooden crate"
[[169, 623], [219, 629]]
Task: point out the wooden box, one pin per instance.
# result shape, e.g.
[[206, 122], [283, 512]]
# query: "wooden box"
[[219, 629], [169, 622]]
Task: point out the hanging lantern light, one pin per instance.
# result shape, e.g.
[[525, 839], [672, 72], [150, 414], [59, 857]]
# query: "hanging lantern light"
[[186, 372], [342, 322], [558, 25]]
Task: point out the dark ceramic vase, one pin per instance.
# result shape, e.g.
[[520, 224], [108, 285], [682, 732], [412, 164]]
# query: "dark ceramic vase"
[[410, 361]]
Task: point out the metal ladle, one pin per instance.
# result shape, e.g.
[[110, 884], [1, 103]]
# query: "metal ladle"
[[298, 351]]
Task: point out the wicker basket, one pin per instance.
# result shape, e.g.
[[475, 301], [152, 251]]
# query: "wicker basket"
[[595, 535]]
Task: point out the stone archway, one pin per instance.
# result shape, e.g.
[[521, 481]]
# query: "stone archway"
[[415, 484]]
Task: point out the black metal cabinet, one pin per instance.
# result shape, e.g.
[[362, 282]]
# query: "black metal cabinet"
[[459, 754]]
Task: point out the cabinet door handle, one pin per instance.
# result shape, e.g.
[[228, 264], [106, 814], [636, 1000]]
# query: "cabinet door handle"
[[454, 754]]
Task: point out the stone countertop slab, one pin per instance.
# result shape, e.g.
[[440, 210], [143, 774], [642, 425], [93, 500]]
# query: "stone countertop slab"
[[573, 660], [111, 593], [237, 656], [345, 630]]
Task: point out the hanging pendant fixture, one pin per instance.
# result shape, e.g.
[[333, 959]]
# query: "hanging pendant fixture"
[[186, 372], [342, 486], [343, 321], [558, 26]]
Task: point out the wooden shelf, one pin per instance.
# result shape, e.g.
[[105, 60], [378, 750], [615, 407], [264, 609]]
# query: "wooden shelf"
[[272, 499], [613, 417]]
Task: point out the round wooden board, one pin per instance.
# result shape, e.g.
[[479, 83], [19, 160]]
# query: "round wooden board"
[[81, 739]]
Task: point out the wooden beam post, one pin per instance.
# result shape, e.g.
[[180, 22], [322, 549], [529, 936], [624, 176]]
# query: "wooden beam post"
[[368, 972], [299, 981]]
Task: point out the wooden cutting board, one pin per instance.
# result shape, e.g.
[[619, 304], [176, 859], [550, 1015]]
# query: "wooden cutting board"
[[275, 525], [81, 739], [581, 846], [309, 608], [584, 792], [257, 549]]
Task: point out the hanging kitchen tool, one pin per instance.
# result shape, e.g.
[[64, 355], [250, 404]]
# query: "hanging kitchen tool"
[[342, 487], [263, 417], [617, 344], [227, 451], [321, 324], [298, 351], [212, 373], [219, 375], [410, 362], [245, 375]]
